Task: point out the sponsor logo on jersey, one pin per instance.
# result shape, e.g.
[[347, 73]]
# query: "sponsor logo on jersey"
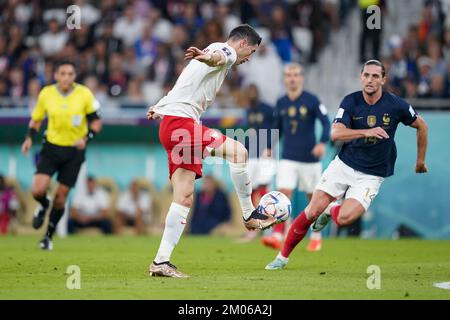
[[227, 51], [371, 121]]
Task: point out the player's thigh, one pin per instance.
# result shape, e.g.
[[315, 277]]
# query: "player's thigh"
[[287, 175], [47, 165], [70, 166], [335, 180], [229, 149], [364, 189], [309, 176]]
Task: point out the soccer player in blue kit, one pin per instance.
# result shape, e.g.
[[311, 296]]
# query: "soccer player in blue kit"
[[366, 121], [296, 114]]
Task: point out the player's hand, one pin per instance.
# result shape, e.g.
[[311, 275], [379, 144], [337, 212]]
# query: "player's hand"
[[377, 132], [196, 53], [421, 167], [26, 146], [319, 150], [152, 115], [81, 144]]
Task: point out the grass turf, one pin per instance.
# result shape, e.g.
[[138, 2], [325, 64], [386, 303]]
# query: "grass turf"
[[116, 268]]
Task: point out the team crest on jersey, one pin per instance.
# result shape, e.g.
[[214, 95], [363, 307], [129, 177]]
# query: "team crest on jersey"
[[303, 111], [371, 121], [227, 51], [292, 111], [386, 119]]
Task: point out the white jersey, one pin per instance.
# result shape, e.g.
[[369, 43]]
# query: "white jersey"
[[197, 86]]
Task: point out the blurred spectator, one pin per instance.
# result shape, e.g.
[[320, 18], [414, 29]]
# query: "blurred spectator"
[[34, 87], [265, 64], [90, 209], [224, 17], [134, 92], [53, 40], [425, 65], [131, 65], [82, 38], [8, 205], [4, 60], [145, 46], [435, 53], [190, 19], [133, 209], [16, 83], [178, 42], [99, 91], [162, 27], [117, 79], [15, 44], [211, 207], [281, 34], [129, 27], [112, 43], [211, 32], [437, 84], [162, 69]]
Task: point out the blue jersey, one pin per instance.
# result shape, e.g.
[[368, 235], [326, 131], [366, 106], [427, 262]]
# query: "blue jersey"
[[296, 121], [371, 155], [259, 117]]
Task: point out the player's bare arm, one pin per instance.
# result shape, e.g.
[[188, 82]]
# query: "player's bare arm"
[[339, 132], [212, 59], [422, 142], [319, 150], [95, 126], [33, 129]]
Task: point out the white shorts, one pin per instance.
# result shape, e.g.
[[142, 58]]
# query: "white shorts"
[[339, 179], [261, 171], [302, 175]]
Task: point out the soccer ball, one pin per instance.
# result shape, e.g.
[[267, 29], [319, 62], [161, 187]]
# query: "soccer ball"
[[275, 204]]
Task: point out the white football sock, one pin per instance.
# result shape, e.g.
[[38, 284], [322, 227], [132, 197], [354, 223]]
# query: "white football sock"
[[315, 235], [280, 256], [175, 223], [242, 185]]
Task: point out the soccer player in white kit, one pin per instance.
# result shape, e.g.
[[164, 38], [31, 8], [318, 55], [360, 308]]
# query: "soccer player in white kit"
[[187, 142]]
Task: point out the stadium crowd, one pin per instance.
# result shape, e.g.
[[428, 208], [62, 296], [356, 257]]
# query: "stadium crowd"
[[135, 49], [419, 62]]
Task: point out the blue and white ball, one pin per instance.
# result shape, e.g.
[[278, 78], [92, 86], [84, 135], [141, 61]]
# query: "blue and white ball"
[[275, 204]]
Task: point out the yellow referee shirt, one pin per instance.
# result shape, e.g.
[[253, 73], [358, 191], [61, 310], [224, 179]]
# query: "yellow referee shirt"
[[66, 113]]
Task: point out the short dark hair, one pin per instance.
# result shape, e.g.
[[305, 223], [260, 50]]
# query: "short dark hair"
[[374, 62], [244, 31], [63, 63]]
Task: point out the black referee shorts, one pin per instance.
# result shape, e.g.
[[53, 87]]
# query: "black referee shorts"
[[66, 161]]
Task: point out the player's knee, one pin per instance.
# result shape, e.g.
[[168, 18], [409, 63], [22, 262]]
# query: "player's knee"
[[59, 201], [312, 212], [240, 155], [37, 192], [187, 201]]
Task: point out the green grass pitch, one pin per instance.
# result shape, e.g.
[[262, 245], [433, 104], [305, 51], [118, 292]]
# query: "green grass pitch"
[[116, 268]]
